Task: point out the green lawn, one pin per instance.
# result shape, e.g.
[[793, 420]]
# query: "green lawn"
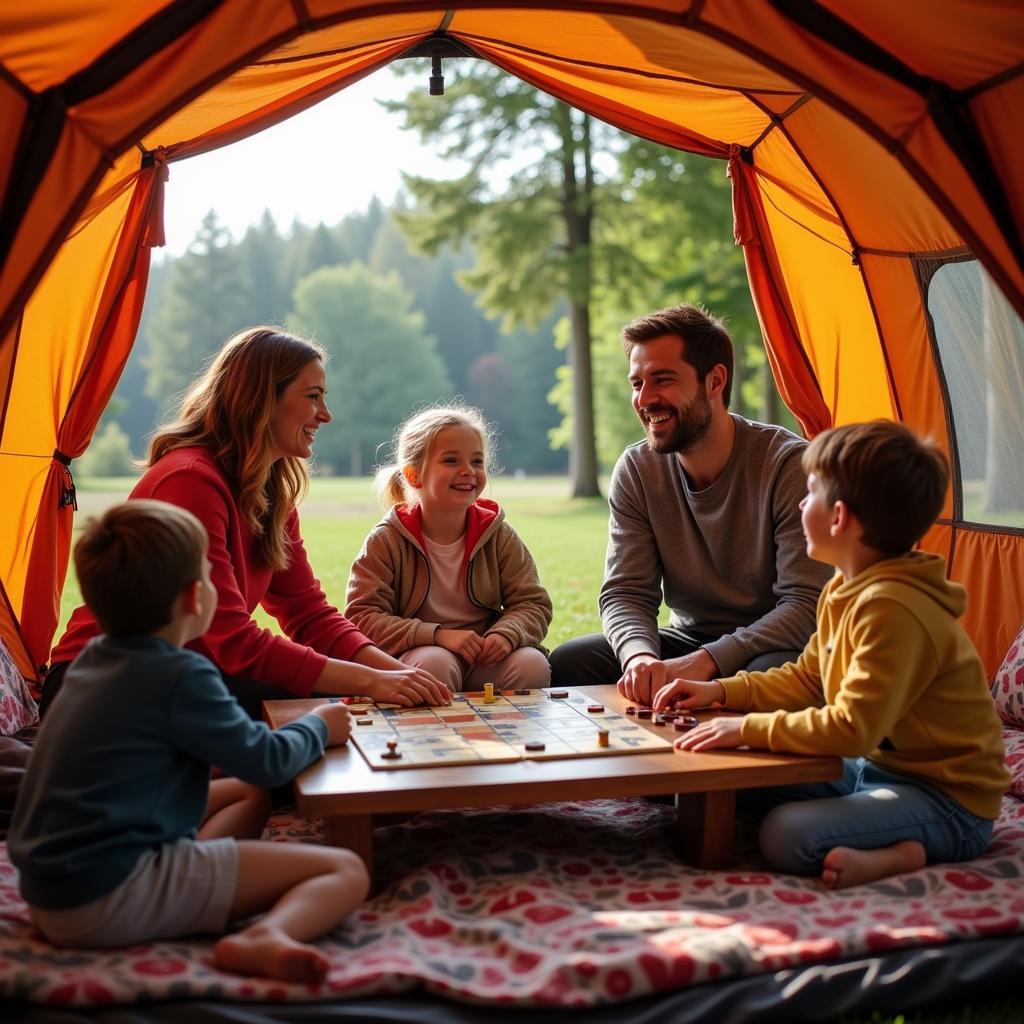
[[567, 538]]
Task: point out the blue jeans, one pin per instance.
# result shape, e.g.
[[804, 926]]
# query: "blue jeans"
[[867, 809]]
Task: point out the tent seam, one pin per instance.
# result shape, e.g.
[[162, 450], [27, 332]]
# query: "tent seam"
[[917, 169], [25, 91], [635, 72]]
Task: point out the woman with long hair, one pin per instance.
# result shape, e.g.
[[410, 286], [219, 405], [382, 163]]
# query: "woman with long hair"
[[236, 458]]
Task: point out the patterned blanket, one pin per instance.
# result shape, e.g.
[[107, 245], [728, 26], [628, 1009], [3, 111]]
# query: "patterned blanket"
[[569, 904]]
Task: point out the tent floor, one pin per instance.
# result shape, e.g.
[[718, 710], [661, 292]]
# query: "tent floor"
[[898, 981]]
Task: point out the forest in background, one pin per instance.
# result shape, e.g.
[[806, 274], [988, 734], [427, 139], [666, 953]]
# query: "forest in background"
[[485, 286]]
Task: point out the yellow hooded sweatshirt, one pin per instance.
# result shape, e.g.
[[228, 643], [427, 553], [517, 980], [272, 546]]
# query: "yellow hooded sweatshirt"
[[889, 675]]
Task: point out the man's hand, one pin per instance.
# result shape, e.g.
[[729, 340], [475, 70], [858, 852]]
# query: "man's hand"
[[463, 642], [406, 686], [643, 676], [695, 665], [689, 693], [496, 648], [339, 723], [715, 734]]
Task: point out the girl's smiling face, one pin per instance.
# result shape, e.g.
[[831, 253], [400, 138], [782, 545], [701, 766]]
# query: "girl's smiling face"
[[454, 473], [299, 412]]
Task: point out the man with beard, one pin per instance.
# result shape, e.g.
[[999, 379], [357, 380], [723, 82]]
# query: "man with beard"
[[706, 512]]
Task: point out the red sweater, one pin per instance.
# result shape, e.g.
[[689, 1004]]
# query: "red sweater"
[[191, 479]]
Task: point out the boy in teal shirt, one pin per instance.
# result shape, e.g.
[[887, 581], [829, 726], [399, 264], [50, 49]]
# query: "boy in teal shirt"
[[118, 833]]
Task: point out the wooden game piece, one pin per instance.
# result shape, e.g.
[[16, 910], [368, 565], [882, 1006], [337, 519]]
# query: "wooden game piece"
[[684, 723], [558, 694], [358, 712], [602, 737], [488, 693], [392, 753], [364, 721], [534, 745], [631, 710], [521, 693], [595, 709], [644, 712]]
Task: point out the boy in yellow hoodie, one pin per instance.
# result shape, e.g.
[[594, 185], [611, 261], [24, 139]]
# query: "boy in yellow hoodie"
[[889, 681]]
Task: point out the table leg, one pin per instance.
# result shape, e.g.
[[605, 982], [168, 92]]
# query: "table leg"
[[351, 832], [706, 825]]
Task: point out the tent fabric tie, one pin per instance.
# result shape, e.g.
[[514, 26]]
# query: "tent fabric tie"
[[68, 494], [153, 236]]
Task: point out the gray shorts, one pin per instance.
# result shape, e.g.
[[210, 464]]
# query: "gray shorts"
[[182, 888]]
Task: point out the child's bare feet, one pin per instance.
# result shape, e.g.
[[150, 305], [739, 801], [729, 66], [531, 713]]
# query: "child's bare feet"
[[844, 866], [271, 954]]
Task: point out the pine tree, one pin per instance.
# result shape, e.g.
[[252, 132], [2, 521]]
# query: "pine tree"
[[206, 303]]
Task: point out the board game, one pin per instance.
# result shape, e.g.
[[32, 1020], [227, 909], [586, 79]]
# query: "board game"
[[506, 725]]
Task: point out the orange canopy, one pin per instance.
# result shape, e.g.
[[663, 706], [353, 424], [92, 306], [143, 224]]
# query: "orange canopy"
[[872, 148]]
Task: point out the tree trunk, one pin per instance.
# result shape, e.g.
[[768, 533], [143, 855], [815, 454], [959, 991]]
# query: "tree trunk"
[[578, 213], [1004, 372], [770, 404]]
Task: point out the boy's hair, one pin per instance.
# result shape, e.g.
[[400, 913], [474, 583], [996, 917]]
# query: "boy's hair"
[[413, 440], [893, 481], [133, 562], [706, 342]]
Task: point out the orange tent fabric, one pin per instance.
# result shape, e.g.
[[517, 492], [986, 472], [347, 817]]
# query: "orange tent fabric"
[[868, 145]]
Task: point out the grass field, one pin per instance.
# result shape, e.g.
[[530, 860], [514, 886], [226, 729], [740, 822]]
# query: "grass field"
[[567, 538]]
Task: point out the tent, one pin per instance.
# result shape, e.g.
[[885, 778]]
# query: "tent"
[[876, 168]]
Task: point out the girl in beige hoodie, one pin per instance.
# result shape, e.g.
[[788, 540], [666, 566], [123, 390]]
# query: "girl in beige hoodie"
[[443, 582]]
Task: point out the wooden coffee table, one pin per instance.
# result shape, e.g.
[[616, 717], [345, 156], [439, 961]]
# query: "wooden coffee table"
[[344, 791]]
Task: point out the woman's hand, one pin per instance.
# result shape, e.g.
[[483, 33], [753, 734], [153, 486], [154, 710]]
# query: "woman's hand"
[[406, 686], [715, 734], [463, 642], [495, 648]]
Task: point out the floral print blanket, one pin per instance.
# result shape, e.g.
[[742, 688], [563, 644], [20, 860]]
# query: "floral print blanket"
[[562, 905]]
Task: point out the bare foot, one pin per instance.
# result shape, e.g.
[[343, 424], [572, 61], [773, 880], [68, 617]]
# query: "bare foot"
[[844, 866], [271, 954]]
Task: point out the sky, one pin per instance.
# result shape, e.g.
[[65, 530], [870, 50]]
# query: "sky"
[[317, 166]]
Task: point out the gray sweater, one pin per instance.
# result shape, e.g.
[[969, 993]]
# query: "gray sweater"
[[730, 559]]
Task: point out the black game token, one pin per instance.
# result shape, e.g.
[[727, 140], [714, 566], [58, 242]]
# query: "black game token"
[[534, 745], [521, 693], [595, 708], [558, 694], [684, 723], [631, 710], [644, 713]]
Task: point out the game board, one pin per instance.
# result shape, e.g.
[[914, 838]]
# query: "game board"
[[472, 730]]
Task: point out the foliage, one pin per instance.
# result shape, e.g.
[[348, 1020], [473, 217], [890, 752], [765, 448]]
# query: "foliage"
[[382, 363], [109, 454], [205, 304], [539, 239]]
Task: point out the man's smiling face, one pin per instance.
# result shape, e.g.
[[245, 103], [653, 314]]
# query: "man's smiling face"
[[669, 398]]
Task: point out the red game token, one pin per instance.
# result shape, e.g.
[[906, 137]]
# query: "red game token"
[[595, 708]]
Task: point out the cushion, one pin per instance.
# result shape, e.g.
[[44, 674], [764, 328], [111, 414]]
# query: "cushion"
[[17, 708], [1008, 686], [1013, 740]]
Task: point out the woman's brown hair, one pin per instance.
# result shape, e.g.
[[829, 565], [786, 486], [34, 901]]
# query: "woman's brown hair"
[[229, 410]]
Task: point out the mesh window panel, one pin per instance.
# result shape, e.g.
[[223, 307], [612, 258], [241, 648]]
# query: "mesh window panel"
[[980, 339]]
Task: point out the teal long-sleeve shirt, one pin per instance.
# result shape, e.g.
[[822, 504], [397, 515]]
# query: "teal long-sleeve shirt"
[[122, 765]]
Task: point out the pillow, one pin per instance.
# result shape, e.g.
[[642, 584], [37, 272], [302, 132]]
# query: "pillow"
[[1008, 687], [17, 708], [1013, 740]]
